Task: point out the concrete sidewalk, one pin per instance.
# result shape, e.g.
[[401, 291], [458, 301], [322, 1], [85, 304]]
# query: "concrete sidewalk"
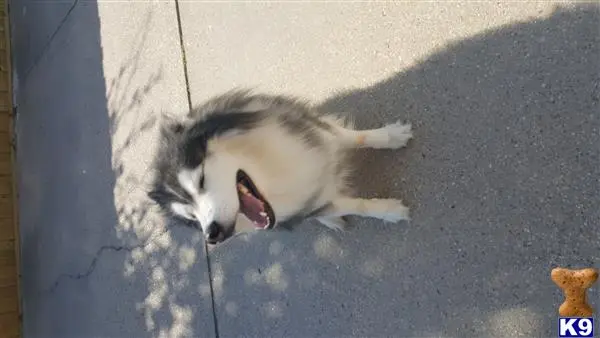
[[502, 176]]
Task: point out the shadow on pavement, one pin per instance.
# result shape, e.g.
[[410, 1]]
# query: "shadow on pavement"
[[66, 182], [502, 178], [96, 260]]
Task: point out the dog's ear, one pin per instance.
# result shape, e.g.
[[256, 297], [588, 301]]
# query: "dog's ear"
[[170, 126]]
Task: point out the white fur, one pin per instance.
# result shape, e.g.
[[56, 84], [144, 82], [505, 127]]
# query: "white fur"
[[387, 209], [281, 166], [183, 210], [391, 136], [287, 173], [216, 202]]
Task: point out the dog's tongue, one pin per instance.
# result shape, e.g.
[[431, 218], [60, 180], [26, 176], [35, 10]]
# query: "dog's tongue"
[[252, 207]]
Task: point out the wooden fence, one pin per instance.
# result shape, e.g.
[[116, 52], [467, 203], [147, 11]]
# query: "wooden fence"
[[10, 322]]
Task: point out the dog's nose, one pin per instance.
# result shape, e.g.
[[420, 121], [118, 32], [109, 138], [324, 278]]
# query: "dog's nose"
[[212, 233]]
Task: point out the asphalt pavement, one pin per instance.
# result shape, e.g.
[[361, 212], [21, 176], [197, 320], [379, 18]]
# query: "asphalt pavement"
[[502, 176]]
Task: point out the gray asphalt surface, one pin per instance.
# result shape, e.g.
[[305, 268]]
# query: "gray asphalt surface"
[[502, 177]]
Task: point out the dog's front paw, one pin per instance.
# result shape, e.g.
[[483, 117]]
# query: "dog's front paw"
[[398, 134], [392, 210]]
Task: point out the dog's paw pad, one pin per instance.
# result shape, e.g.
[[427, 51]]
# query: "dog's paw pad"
[[399, 134]]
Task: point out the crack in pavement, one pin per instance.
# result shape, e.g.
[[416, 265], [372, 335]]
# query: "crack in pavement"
[[94, 262]]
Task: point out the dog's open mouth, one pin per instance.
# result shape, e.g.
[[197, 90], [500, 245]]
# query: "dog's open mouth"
[[252, 204]]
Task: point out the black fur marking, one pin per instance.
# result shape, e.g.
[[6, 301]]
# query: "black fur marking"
[[302, 127], [319, 123], [235, 100], [196, 137], [299, 119], [183, 146], [163, 198], [294, 114]]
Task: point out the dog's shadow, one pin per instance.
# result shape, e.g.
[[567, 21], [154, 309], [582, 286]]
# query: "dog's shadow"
[[505, 123], [502, 181]]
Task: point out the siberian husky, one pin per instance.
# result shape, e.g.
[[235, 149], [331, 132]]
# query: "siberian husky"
[[268, 157]]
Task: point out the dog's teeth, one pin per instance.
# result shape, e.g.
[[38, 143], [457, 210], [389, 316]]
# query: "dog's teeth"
[[263, 214], [243, 189]]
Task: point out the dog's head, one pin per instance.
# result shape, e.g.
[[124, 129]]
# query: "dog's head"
[[202, 188]]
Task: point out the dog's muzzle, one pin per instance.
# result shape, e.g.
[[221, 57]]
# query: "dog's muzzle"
[[216, 233]]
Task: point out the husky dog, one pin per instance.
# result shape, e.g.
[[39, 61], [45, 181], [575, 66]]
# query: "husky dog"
[[268, 157]]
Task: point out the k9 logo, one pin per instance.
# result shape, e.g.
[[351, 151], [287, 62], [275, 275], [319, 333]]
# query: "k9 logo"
[[576, 327]]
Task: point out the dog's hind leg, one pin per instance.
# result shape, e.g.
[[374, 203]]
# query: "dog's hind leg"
[[391, 136], [387, 209]]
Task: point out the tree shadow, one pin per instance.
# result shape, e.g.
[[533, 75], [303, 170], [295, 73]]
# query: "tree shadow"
[[502, 180], [97, 259], [165, 262]]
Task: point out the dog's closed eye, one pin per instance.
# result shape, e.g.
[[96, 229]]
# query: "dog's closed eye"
[[183, 210], [201, 179]]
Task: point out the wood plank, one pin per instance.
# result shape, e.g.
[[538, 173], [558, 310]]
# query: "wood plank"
[[5, 185], [8, 254], [8, 299], [5, 166], [5, 104], [3, 62], [10, 325], [5, 121], [4, 83], [6, 198], [6, 211], [8, 266], [5, 145], [10, 319], [7, 230], [8, 276]]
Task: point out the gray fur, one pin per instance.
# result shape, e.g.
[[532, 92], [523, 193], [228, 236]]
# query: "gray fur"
[[184, 144], [296, 115], [312, 190]]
